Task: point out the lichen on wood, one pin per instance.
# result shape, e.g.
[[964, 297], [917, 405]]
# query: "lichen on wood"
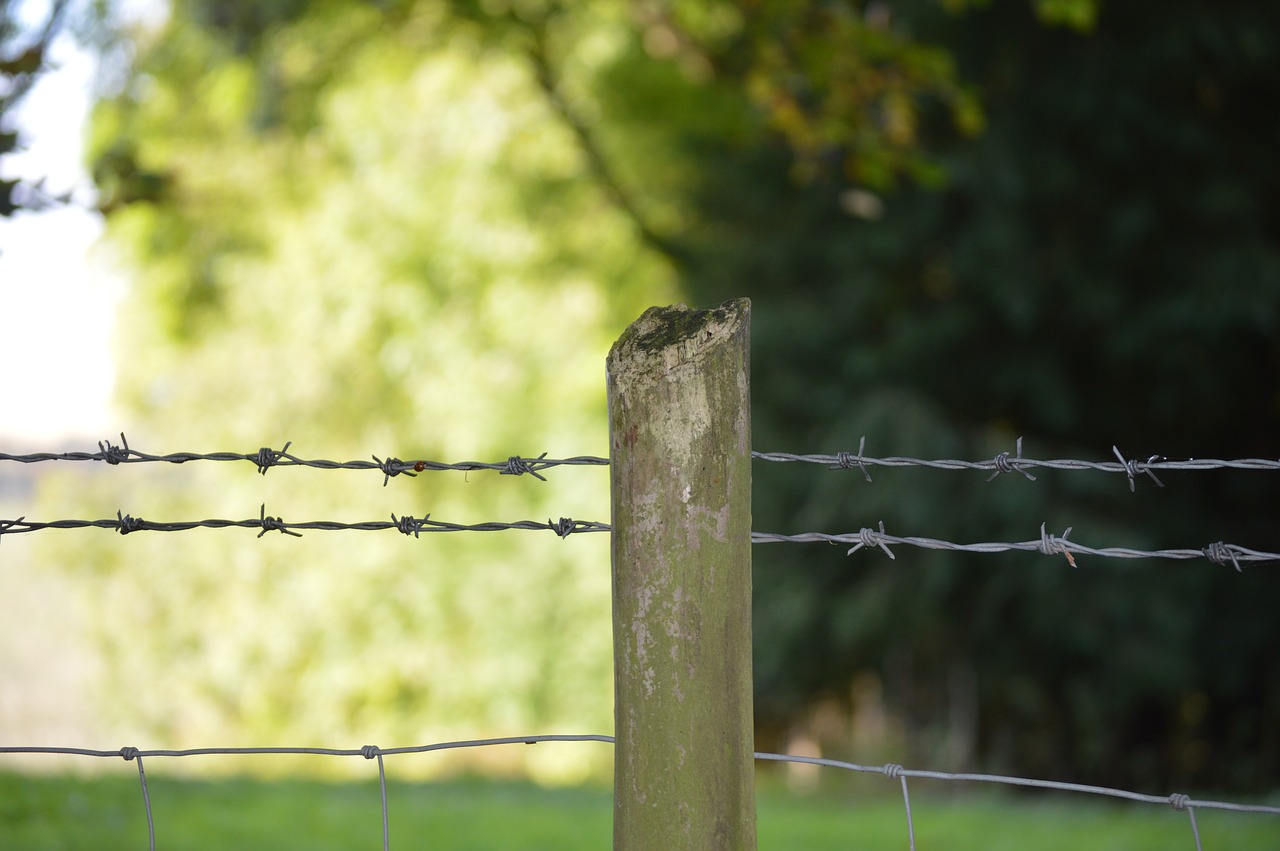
[[680, 466]]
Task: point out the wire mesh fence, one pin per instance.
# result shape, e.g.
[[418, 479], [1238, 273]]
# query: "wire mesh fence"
[[1178, 801], [1218, 553]]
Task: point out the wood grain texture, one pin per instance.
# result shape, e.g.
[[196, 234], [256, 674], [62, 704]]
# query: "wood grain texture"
[[680, 437]]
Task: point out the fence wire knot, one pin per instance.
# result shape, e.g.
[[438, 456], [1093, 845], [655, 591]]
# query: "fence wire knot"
[[892, 770], [393, 467], [273, 524], [369, 751], [564, 527], [114, 454], [9, 524], [1004, 465], [268, 457], [517, 466], [845, 461], [129, 753], [1135, 467], [126, 524], [871, 538], [1220, 553], [1049, 545], [1179, 801], [409, 525]]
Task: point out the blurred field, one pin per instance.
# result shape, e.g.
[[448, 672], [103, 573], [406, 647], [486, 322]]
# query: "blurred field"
[[478, 815]]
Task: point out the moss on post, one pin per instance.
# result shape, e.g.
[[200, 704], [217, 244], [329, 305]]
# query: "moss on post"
[[680, 443]]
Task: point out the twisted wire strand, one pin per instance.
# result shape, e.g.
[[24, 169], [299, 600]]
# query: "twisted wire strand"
[[126, 524], [1006, 463], [266, 458], [894, 771], [517, 465], [1218, 553]]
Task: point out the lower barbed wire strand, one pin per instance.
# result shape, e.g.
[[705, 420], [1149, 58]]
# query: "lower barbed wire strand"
[[1217, 553]]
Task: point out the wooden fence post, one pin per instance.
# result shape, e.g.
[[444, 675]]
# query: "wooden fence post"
[[680, 470]]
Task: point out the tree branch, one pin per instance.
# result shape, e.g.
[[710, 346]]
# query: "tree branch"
[[596, 161]]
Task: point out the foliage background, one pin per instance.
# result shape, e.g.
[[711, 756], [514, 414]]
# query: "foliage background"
[[418, 225]]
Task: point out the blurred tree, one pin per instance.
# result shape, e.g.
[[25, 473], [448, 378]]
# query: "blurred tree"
[[1100, 263], [24, 50], [960, 223], [373, 234]]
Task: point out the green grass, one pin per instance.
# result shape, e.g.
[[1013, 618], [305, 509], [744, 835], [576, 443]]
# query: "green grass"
[[473, 815]]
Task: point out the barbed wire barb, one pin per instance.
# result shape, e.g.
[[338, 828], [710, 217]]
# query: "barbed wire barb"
[[268, 457], [845, 461], [114, 454], [1004, 465], [1220, 553], [517, 466], [870, 538], [1049, 545], [394, 467], [1135, 468]]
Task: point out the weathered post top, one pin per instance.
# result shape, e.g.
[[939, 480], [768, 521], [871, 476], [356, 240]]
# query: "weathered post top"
[[678, 334], [680, 470]]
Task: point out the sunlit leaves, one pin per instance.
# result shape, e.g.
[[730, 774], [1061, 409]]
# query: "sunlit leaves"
[[386, 242]]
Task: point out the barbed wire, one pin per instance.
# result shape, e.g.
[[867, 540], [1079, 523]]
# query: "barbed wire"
[[1005, 463], [409, 525], [266, 458], [1218, 553], [516, 465], [1178, 801]]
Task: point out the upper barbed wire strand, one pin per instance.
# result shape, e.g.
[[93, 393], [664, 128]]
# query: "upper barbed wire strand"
[[1005, 463], [517, 465], [266, 458]]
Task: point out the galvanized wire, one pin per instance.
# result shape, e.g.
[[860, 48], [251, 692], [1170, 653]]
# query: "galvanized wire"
[[1177, 801], [266, 458], [133, 754], [1006, 463], [1218, 552], [516, 465], [893, 771]]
